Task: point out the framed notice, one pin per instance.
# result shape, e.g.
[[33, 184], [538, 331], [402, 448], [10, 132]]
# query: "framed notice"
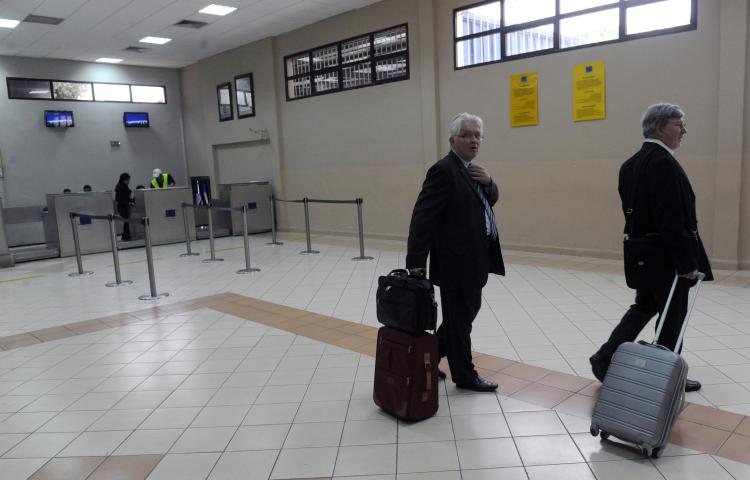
[[524, 99], [589, 92], [243, 90], [224, 97]]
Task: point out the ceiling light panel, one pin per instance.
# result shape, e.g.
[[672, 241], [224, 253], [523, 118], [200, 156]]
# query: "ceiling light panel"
[[155, 40], [7, 23], [215, 9], [109, 60]]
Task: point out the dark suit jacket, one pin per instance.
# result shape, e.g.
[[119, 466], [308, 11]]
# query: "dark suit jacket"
[[448, 223], [664, 204]]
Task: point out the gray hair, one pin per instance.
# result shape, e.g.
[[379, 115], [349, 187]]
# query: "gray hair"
[[657, 116], [462, 118]]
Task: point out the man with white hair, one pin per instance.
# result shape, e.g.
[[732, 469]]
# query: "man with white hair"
[[454, 223], [161, 179], [659, 207]]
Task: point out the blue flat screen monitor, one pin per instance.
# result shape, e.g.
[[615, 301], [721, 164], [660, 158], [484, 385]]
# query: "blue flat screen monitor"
[[135, 119], [58, 119]]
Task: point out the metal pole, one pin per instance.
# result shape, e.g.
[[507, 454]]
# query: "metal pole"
[[361, 233], [246, 238], [273, 222], [150, 263], [211, 238], [307, 228], [189, 252], [77, 244], [115, 255]]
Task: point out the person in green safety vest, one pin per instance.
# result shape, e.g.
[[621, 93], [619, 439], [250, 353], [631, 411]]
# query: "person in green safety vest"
[[161, 179]]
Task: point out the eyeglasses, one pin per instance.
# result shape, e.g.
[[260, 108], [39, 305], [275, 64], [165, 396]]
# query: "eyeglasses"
[[470, 135]]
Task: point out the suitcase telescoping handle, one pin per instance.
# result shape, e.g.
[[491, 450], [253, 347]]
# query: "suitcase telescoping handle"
[[663, 315]]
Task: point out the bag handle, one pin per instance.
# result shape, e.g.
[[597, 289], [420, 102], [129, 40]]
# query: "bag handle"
[[663, 314]]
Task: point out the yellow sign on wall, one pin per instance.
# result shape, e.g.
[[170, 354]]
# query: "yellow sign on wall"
[[589, 91], [524, 99]]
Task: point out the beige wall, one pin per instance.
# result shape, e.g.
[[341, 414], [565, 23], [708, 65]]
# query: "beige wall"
[[558, 179]]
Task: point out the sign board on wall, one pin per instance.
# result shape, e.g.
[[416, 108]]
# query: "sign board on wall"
[[589, 91], [524, 99]]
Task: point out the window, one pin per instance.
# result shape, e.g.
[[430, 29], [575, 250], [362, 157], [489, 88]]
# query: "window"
[[370, 59], [72, 90], [501, 30]]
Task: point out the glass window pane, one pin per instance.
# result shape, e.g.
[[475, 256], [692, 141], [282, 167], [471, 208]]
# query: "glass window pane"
[[390, 41], [111, 92], [72, 91], [591, 28], [327, 81], [478, 50], [326, 57], [567, 6], [20, 88], [478, 19], [521, 11], [529, 40], [299, 87], [298, 65], [657, 16], [357, 75], [390, 68], [355, 50], [148, 94]]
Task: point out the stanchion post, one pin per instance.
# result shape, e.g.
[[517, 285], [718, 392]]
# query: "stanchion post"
[[150, 263], [273, 222], [309, 250], [361, 233], [115, 255], [189, 252], [246, 238], [211, 238], [77, 244]]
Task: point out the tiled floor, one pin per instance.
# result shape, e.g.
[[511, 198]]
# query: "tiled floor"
[[216, 392]]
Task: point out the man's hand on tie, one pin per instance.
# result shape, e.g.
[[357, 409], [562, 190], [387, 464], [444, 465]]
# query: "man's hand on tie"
[[479, 173]]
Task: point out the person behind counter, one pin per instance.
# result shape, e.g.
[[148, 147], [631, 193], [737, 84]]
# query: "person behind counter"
[[66, 190], [87, 188], [161, 179], [123, 200]]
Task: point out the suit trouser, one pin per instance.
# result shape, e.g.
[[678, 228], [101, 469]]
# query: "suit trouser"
[[649, 302], [459, 308]]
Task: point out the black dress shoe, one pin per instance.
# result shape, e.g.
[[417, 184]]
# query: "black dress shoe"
[[692, 385], [478, 385], [598, 367], [441, 374]]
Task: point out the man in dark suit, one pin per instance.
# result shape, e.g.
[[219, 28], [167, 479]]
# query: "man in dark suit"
[[453, 222], [658, 202]]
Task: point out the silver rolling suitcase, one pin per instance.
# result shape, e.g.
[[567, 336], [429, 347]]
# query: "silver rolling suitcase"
[[644, 390]]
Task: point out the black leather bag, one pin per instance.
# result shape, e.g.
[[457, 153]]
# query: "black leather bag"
[[406, 302], [645, 262]]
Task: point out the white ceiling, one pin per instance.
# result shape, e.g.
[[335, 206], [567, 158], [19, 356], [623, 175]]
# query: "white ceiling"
[[103, 28]]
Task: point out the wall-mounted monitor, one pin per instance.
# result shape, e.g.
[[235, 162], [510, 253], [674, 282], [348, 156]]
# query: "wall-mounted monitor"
[[135, 119], [58, 119]]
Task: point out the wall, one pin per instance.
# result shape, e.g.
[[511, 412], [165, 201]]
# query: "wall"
[[40, 160], [558, 179]]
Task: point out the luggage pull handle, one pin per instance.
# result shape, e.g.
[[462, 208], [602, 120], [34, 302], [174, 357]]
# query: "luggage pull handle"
[[691, 304]]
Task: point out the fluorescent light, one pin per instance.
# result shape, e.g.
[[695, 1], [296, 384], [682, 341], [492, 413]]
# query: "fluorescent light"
[[109, 60], [214, 9], [6, 23], [156, 40]]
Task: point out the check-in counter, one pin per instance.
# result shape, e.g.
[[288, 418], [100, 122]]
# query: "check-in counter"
[[163, 207], [93, 234], [256, 195]]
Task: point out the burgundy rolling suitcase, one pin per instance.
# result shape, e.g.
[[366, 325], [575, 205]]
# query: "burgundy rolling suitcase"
[[406, 374]]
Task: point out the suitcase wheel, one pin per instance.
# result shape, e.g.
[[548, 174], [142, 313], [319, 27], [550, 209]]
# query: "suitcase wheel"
[[594, 431], [604, 435], [656, 453]]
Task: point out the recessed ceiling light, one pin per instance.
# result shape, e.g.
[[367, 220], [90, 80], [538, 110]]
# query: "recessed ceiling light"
[[156, 40], [109, 60], [6, 23], [214, 9]]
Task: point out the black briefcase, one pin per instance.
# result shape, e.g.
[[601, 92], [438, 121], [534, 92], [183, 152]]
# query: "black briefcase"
[[406, 302]]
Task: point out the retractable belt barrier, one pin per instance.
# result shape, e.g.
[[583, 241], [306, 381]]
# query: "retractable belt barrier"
[[306, 202]]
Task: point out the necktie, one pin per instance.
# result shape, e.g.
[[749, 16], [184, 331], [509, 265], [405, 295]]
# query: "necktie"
[[489, 216]]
